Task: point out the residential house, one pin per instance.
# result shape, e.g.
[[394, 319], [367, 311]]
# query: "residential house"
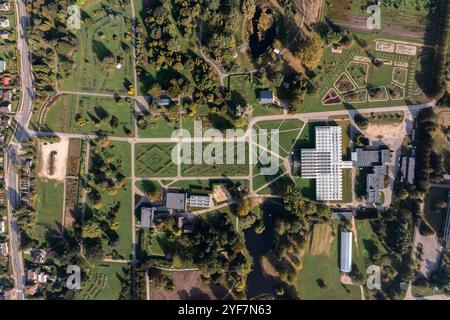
[[2, 226], [4, 35], [4, 22], [6, 80], [2, 66], [4, 250], [38, 255], [5, 121], [31, 275], [186, 225], [266, 97], [5, 107], [147, 215], [5, 6], [42, 277], [6, 95], [163, 101]]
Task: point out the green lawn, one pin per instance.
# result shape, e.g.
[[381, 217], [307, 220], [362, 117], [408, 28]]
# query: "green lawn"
[[316, 268], [289, 131], [154, 160], [104, 282], [158, 128], [49, 205], [102, 36], [90, 115], [367, 240]]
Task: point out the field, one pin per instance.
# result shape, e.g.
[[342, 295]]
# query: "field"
[[154, 160], [321, 239], [49, 205], [368, 241], [320, 278], [407, 17], [104, 41], [289, 131], [158, 128], [90, 115], [104, 282]]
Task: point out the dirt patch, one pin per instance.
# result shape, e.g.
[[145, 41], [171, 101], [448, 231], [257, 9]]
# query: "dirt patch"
[[345, 279], [189, 286], [322, 237], [53, 158], [377, 131]]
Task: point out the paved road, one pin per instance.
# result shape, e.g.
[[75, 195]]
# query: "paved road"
[[21, 133]]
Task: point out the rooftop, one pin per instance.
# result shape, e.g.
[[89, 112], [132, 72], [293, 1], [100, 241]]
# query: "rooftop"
[[324, 163], [176, 201]]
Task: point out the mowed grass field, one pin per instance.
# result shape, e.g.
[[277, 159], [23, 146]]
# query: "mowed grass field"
[[158, 128], [317, 269], [49, 204], [288, 133], [103, 35], [105, 282], [97, 114]]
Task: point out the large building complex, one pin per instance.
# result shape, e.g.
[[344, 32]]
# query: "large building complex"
[[375, 181], [324, 163]]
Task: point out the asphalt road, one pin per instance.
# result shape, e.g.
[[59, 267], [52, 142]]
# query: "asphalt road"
[[21, 133]]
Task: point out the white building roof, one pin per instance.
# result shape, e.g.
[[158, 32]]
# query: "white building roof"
[[346, 251], [200, 201], [446, 235], [324, 163]]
